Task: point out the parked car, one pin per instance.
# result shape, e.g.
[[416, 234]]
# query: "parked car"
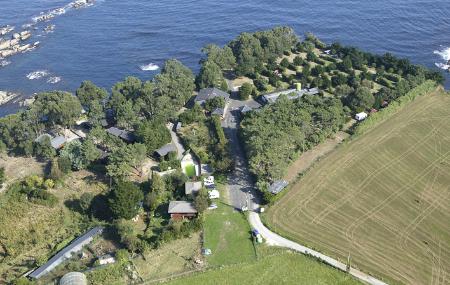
[[208, 180], [214, 194], [212, 206]]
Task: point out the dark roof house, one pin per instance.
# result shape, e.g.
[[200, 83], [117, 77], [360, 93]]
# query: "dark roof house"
[[66, 253], [164, 150], [181, 209], [124, 135], [209, 93]]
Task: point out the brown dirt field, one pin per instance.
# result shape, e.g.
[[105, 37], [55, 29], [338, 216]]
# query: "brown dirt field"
[[383, 198], [20, 167], [312, 155]]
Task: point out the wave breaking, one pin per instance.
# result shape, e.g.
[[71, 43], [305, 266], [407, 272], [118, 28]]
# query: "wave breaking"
[[149, 67]]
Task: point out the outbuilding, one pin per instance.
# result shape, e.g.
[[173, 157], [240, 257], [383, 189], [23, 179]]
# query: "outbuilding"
[[179, 210], [192, 187], [278, 186], [361, 116]]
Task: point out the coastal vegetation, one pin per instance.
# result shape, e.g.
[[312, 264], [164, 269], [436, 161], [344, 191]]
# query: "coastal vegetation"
[[381, 198]]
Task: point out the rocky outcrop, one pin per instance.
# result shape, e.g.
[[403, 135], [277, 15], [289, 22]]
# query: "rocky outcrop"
[[13, 46], [5, 97]]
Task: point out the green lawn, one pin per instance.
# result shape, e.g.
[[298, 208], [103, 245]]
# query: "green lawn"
[[227, 234], [281, 268], [190, 170]]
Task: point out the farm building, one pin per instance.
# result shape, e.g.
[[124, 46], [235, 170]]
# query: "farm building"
[[277, 186], [124, 135], [73, 278], [179, 210], [66, 253], [209, 93], [192, 187], [361, 116]]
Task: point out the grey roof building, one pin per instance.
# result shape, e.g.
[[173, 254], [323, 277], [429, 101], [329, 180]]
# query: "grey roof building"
[[209, 93], [58, 142], [66, 253], [277, 186], [181, 207], [290, 93], [192, 187], [164, 150], [124, 135], [245, 109]]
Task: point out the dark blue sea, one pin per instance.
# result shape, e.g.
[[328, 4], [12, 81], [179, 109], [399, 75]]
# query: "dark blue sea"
[[112, 38]]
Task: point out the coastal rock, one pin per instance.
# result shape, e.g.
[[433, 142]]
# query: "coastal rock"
[[5, 97], [6, 29]]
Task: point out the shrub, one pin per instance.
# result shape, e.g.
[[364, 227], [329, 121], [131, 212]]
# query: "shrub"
[[245, 91]]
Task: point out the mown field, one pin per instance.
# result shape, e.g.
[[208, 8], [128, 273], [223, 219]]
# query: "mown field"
[[281, 268], [383, 198]]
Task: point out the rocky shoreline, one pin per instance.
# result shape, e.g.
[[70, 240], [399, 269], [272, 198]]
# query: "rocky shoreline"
[[6, 97]]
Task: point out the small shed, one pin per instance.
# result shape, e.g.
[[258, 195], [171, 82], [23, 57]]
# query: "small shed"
[[179, 210], [73, 278], [192, 187], [278, 186], [361, 116]]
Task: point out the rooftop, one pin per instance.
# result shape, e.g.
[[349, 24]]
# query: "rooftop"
[[291, 94], [209, 93], [181, 207], [125, 135], [67, 250], [164, 150], [58, 142], [277, 186]]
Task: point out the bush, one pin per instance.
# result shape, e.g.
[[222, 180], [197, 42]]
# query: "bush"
[[245, 91]]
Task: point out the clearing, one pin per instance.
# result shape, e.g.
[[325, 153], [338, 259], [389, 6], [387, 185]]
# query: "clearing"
[[278, 267], [383, 198]]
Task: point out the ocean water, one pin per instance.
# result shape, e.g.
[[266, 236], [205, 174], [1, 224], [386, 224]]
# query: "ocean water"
[[112, 39]]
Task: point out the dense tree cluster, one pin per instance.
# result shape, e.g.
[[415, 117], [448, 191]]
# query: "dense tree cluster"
[[275, 135]]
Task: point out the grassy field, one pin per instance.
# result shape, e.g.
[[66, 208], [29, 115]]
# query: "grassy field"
[[281, 268], [227, 234], [383, 198], [31, 233]]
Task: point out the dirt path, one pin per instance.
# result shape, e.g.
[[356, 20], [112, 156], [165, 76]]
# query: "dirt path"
[[310, 156]]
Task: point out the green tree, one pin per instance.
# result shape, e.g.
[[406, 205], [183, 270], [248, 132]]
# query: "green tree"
[[245, 91], [123, 159], [284, 62], [64, 164], [124, 200], [43, 149], [298, 60], [86, 201], [176, 82], [55, 171], [214, 103], [223, 57], [88, 93], [153, 135], [201, 201], [210, 75], [151, 201], [361, 99], [195, 114], [57, 108]]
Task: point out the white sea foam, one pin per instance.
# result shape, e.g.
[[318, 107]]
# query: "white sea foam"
[[54, 80], [445, 55], [149, 67], [4, 63], [37, 74]]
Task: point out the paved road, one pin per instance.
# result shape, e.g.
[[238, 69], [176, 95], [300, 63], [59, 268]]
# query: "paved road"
[[176, 142], [242, 192]]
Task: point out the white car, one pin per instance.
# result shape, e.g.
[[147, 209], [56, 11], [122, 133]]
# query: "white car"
[[212, 207], [214, 194], [209, 180]]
